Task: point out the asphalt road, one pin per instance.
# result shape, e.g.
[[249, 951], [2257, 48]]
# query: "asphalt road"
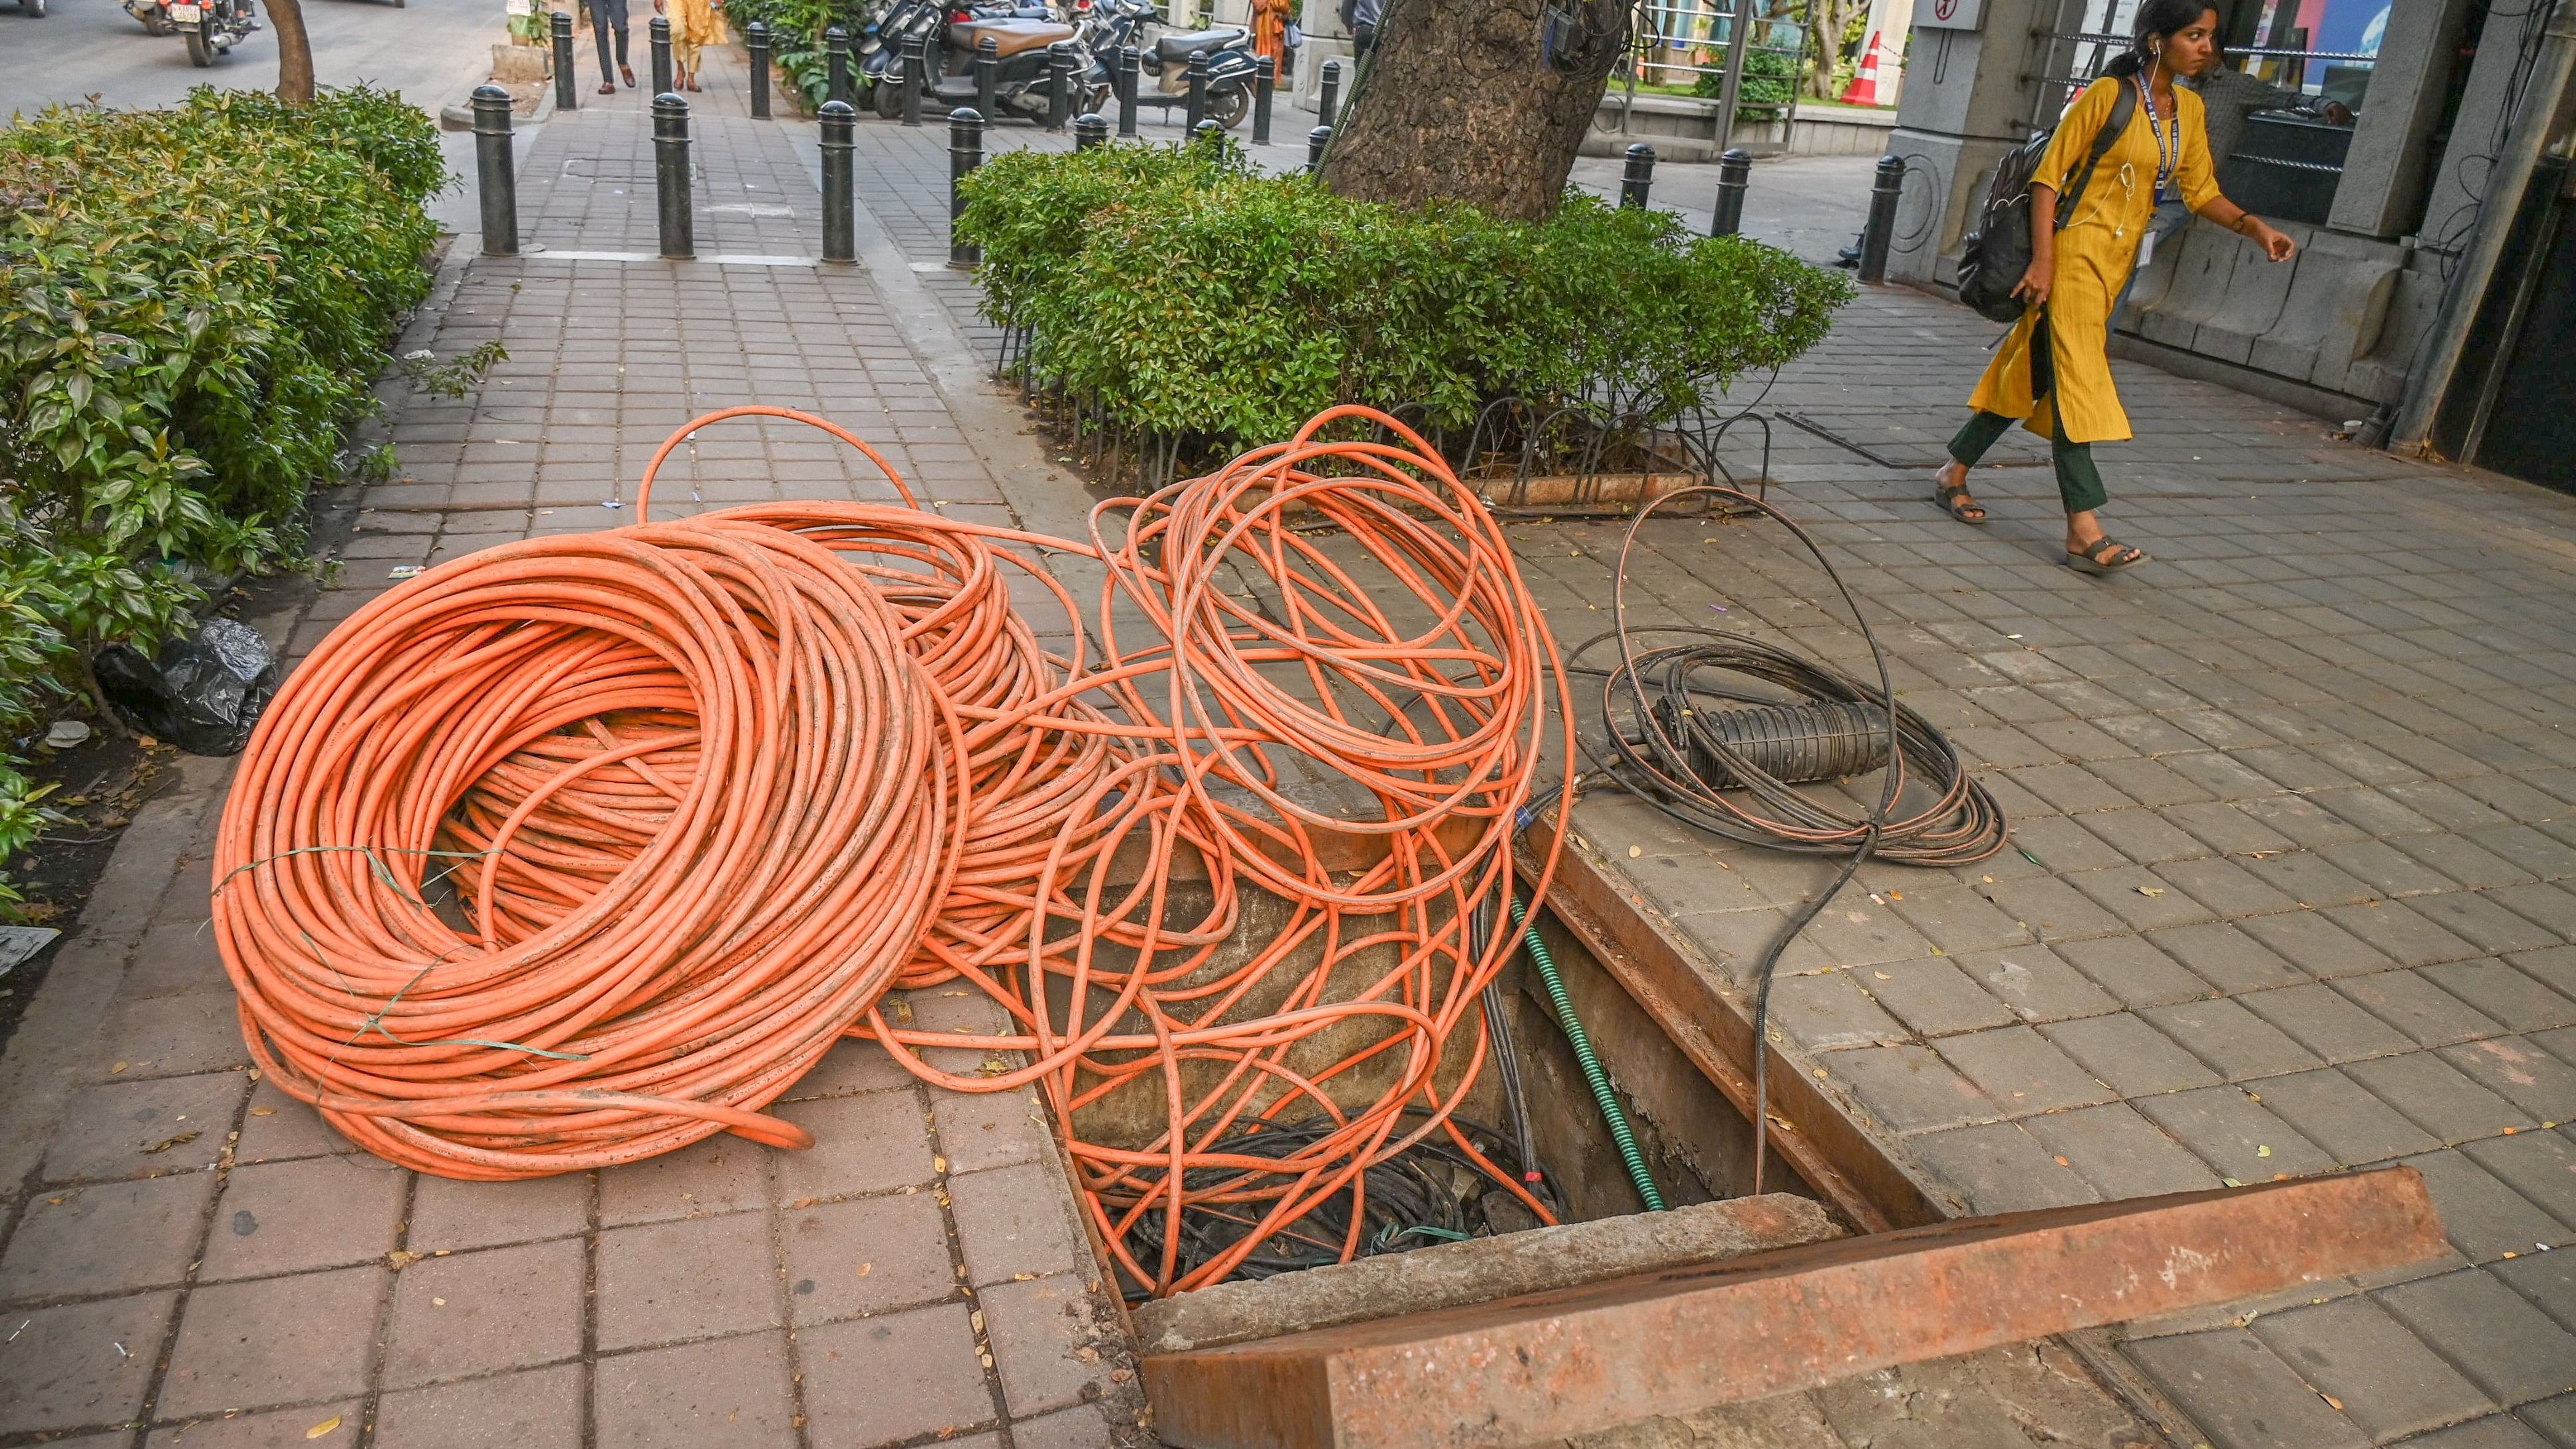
[[92, 48], [431, 51]]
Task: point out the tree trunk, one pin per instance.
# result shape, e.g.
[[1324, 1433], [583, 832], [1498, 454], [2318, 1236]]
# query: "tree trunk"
[[1458, 103], [1828, 20], [294, 52]]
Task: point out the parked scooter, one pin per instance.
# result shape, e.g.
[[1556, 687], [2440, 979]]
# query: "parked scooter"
[[1232, 65], [1023, 72], [881, 40]]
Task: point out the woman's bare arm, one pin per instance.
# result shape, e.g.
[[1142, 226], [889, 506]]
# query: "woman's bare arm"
[[2043, 246], [2246, 224]]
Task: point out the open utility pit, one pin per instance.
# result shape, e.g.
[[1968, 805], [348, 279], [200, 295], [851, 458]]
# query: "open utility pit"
[[1695, 1145], [1619, 1322]]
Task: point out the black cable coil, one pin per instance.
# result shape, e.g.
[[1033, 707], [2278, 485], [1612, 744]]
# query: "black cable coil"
[[1668, 743], [1429, 1193]]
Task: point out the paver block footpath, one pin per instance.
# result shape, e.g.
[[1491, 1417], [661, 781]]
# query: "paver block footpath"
[[2294, 830], [189, 1256]]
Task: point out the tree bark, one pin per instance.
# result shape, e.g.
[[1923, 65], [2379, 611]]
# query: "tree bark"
[[294, 52], [1459, 103], [1828, 20]]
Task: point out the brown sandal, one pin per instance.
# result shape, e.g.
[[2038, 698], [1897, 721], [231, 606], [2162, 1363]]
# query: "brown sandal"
[[1947, 496], [2105, 555]]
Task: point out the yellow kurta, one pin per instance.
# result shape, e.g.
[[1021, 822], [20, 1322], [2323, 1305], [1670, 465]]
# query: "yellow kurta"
[[694, 23], [2094, 256]]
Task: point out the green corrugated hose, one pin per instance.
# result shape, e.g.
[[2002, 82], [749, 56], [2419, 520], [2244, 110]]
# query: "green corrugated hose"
[[1592, 1072]]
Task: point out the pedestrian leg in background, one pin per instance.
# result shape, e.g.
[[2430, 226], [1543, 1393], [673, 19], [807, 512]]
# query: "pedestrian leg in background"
[[607, 16], [695, 25]]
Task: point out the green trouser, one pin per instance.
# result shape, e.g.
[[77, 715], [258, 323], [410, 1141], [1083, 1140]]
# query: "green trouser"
[[2079, 483]]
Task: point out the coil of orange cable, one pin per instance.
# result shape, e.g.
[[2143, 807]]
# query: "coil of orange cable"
[[757, 855]]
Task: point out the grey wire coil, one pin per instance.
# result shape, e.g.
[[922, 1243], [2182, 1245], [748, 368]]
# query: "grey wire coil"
[[1822, 739]]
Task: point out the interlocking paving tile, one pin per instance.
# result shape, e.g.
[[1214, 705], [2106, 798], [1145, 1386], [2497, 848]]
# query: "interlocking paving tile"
[[2241, 1393], [2388, 1382], [474, 1313], [896, 1377], [274, 1341], [114, 1237], [2489, 1332], [729, 1391], [538, 1409]]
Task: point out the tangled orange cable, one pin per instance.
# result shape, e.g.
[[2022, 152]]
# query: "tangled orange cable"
[[1408, 679], [1325, 692]]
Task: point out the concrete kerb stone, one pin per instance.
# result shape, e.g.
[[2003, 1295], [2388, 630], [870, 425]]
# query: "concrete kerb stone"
[[1480, 1270]]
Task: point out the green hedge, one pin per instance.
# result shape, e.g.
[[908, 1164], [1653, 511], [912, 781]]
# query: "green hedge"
[[194, 304], [1183, 294], [1770, 77]]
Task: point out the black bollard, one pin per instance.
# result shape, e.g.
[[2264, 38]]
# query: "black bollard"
[[1639, 178], [965, 153], [1090, 129], [916, 77], [566, 93], [1332, 95], [756, 37], [494, 176], [988, 71], [1316, 140], [1059, 78], [1734, 169], [840, 182], [1265, 79], [1882, 218], [661, 30], [1197, 110], [671, 174], [836, 65], [1130, 72]]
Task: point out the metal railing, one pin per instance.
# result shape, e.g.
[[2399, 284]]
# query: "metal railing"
[[2071, 59], [1675, 42]]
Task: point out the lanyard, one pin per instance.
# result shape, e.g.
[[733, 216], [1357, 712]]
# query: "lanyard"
[[2167, 161]]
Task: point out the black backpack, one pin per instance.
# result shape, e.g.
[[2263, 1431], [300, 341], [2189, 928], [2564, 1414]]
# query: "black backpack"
[[1993, 258]]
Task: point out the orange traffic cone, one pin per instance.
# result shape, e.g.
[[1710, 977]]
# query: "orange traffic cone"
[[1864, 89]]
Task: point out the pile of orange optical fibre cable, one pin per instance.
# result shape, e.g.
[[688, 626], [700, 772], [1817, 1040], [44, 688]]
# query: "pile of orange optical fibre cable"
[[1344, 609]]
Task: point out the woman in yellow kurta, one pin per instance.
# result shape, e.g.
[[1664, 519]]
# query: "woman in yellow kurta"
[[2053, 373], [694, 25]]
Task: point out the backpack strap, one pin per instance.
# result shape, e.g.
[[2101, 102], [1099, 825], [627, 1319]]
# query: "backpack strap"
[[2124, 109]]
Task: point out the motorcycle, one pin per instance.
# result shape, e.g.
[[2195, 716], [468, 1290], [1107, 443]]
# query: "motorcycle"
[[210, 27], [1232, 65], [149, 12]]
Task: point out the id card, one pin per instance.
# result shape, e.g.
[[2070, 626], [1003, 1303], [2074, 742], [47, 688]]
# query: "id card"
[[2146, 248]]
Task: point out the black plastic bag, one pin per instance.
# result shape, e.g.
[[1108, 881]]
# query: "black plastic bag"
[[203, 693]]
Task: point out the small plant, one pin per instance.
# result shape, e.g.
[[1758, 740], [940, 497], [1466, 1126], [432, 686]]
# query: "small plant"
[[376, 465], [451, 379]]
